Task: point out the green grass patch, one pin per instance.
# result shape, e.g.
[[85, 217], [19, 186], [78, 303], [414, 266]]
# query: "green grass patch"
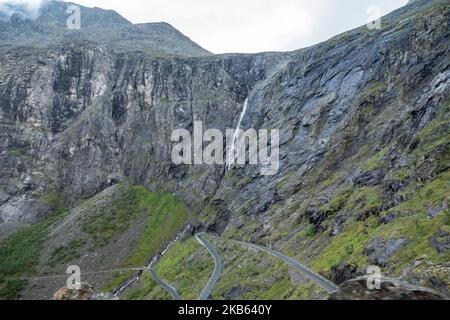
[[166, 215], [376, 89], [187, 266], [17, 152], [375, 161], [338, 202], [146, 289], [209, 213], [19, 254], [252, 275], [109, 221], [348, 246], [366, 199], [10, 288], [434, 139], [64, 254], [411, 223], [401, 175]]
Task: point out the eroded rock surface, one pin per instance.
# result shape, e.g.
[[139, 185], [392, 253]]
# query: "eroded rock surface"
[[391, 289]]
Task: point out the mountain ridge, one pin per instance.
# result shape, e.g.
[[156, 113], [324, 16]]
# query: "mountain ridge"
[[363, 119], [106, 28]]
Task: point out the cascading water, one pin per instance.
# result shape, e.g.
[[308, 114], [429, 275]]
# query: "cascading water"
[[231, 156], [117, 292]]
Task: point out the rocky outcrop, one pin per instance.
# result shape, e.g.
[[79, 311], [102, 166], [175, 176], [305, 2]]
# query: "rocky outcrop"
[[86, 292], [379, 253], [390, 289], [100, 118]]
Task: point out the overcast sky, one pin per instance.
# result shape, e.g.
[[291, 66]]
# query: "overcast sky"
[[248, 25]]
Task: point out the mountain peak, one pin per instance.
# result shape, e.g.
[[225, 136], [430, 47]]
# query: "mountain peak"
[[55, 12], [105, 28]]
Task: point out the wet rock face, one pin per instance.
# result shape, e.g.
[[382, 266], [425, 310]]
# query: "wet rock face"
[[379, 252], [343, 272], [441, 242], [390, 289], [77, 118]]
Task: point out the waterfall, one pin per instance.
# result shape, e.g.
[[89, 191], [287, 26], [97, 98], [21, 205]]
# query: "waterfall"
[[125, 285], [231, 153]]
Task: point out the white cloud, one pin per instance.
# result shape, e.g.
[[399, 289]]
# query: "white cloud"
[[248, 25], [28, 7]]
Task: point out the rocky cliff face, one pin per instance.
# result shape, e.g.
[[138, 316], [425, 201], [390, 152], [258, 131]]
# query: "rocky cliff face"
[[391, 290], [364, 136]]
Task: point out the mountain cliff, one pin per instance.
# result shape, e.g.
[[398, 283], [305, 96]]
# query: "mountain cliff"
[[85, 161]]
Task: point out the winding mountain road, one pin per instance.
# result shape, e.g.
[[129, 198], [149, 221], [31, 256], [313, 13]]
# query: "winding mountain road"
[[217, 268], [171, 290], [325, 284]]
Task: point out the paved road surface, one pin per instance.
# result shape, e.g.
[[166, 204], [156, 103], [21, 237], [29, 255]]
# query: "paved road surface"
[[171, 290], [217, 269], [326, 284]]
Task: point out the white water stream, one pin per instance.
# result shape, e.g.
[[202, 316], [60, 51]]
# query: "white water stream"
[[231, 156], [117, 292]]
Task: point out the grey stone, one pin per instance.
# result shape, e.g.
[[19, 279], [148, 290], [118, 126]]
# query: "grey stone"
[[390, 289], [432, 213], [3, 198], [379, 251], [441, 242]]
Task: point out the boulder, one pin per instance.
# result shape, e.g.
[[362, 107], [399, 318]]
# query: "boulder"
[[391, 289], [86, 292], [379, 251]]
